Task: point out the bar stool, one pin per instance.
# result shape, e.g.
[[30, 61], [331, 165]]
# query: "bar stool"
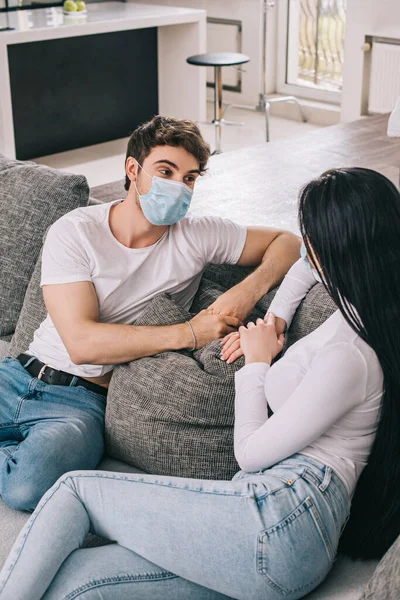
[[218, 60]]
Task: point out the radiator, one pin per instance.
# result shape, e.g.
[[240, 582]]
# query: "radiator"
[[384, 88]]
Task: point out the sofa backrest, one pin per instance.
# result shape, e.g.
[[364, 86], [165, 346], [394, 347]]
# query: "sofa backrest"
[[32, 197]]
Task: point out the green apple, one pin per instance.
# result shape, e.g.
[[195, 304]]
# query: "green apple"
[[81, 5], [70, 6]]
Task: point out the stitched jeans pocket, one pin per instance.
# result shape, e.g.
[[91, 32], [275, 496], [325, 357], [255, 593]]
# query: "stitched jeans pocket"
[[297, 553]]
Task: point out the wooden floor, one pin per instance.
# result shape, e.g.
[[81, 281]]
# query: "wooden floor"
[[260, 185]]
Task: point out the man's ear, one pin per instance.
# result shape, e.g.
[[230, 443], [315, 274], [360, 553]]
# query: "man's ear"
[[131, 168]]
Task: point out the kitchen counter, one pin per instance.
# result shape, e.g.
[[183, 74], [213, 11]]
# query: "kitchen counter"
[[51, 23], [69, 81]]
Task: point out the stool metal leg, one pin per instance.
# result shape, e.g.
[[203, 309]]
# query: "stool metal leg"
[[290, 99], [218, 120], [218, 88], [218, 109], [266, 109], [264, 105]]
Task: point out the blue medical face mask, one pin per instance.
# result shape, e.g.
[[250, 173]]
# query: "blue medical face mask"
[[167, 202], [303, 254]]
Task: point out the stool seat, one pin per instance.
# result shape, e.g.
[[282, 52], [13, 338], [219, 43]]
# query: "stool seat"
[[218, 59]]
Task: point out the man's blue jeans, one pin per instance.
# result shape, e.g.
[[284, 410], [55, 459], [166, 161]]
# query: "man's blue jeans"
[[45, 431]]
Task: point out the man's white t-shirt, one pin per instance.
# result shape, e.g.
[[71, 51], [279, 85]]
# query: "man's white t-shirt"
[[81, 247]]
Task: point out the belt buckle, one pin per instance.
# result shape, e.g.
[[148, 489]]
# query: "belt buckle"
[[42, 371]]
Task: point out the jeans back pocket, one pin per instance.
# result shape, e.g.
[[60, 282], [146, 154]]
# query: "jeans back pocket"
[[296, 554]]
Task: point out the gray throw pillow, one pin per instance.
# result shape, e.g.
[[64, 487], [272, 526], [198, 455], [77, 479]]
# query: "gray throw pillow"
[[32, 314], [385, 582], [173, 413], [226, 275], [32, 197]]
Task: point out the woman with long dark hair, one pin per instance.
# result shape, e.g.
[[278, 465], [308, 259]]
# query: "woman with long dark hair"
[[356, 238], [273, 530]]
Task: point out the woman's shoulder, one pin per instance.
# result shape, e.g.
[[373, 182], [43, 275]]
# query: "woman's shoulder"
[[345, 333], [354, 349]]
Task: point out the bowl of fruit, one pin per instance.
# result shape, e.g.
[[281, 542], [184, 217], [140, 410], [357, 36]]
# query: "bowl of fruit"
[[74, 8]]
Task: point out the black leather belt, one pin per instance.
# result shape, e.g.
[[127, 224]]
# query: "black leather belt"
[[53, 377]]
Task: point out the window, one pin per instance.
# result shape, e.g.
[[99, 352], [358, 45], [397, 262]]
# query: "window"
[[311, 48]]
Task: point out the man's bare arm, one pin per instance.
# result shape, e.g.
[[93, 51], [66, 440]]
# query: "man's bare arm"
[[74, 310], [274, 252]]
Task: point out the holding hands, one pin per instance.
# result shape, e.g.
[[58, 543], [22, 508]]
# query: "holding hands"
[[260, 342], [208, 326]]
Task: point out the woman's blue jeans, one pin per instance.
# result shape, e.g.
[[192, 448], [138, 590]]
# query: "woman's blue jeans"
[[267, 535]]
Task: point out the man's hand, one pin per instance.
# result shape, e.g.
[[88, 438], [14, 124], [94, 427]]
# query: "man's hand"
[[260, 342], [208, 326], [231, 347], [236, 302]]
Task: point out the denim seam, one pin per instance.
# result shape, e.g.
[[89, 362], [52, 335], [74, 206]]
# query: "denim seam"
[[162, 575], [308, 474], [310, 478], [159, 483], [19, 407], [326, 480], [6, 452], [307, 505], [339, 484], [7, 425], [322, 531], [261, 499]]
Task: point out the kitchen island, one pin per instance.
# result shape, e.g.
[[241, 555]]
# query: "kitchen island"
[[71, 81]]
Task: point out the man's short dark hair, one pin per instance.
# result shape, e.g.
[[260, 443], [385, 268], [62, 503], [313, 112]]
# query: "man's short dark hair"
[[167, 131]]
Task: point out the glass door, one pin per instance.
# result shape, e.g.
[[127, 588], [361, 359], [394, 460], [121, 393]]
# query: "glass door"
[[311, 48]]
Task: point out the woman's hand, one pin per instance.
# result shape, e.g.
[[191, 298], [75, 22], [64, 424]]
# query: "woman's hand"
[[231, 348], [260, 342]]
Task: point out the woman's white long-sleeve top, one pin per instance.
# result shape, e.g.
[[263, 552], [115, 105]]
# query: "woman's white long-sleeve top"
[[325, 394]]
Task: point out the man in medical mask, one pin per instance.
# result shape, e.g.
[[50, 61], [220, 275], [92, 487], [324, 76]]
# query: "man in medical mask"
[[101, 266]]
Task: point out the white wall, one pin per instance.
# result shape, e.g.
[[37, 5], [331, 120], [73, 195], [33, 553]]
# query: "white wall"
[[364, 17], [249, 12]]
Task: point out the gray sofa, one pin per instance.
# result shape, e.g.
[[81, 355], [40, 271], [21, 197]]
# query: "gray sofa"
[[31, 198]]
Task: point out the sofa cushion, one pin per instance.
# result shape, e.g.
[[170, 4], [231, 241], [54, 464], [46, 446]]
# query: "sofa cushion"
[[385, 582], [32, 197], [345, 581], [33, 312], [173, 413], [4, 349]]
